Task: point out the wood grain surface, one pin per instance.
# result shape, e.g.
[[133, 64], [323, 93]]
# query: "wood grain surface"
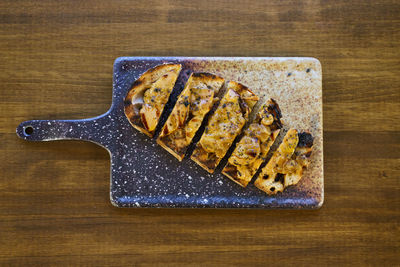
[[56, 63]]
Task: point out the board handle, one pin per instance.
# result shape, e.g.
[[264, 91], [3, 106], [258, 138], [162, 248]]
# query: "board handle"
[[92, 129]]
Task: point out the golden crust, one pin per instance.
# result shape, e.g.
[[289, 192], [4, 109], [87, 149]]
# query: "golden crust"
[[207, 164], [231, 171], [177, 155], [262, 132], [141, 129], [133, 101], [286, 166], [234, 119], [245, 93], [177, 140]]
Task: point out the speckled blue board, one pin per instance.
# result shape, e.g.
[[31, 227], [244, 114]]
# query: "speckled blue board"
[[145, 175]]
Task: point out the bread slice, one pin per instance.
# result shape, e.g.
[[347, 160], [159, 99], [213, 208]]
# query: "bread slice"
[[253, 147], [146, 99], [286, 166], [193, 104], [224, 125]]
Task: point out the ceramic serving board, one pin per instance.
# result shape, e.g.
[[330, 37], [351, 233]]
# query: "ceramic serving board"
[[145, 175]]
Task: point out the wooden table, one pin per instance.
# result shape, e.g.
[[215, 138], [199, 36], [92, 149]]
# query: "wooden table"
[[56, 62]]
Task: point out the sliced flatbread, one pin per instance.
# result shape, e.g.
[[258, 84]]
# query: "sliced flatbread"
[[224, 125], [253, 147], [193, 104], [286, 166], [146, 99]]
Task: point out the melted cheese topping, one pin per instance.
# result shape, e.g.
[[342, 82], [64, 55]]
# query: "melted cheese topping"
[[283, 153], [283, 167], [254, 146], [201, 100], [294, 168], [224, 125], [194, 102], [155, 99]]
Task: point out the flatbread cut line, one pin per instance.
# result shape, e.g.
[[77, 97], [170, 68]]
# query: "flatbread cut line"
[[146, 100], [224, 125], [251, 151], [287, 164], [193, 104]]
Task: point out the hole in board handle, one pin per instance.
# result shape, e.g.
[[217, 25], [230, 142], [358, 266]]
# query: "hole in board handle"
[[28, 130]]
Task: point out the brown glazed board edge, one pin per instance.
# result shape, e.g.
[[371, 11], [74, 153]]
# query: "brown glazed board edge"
[[145, 175]]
